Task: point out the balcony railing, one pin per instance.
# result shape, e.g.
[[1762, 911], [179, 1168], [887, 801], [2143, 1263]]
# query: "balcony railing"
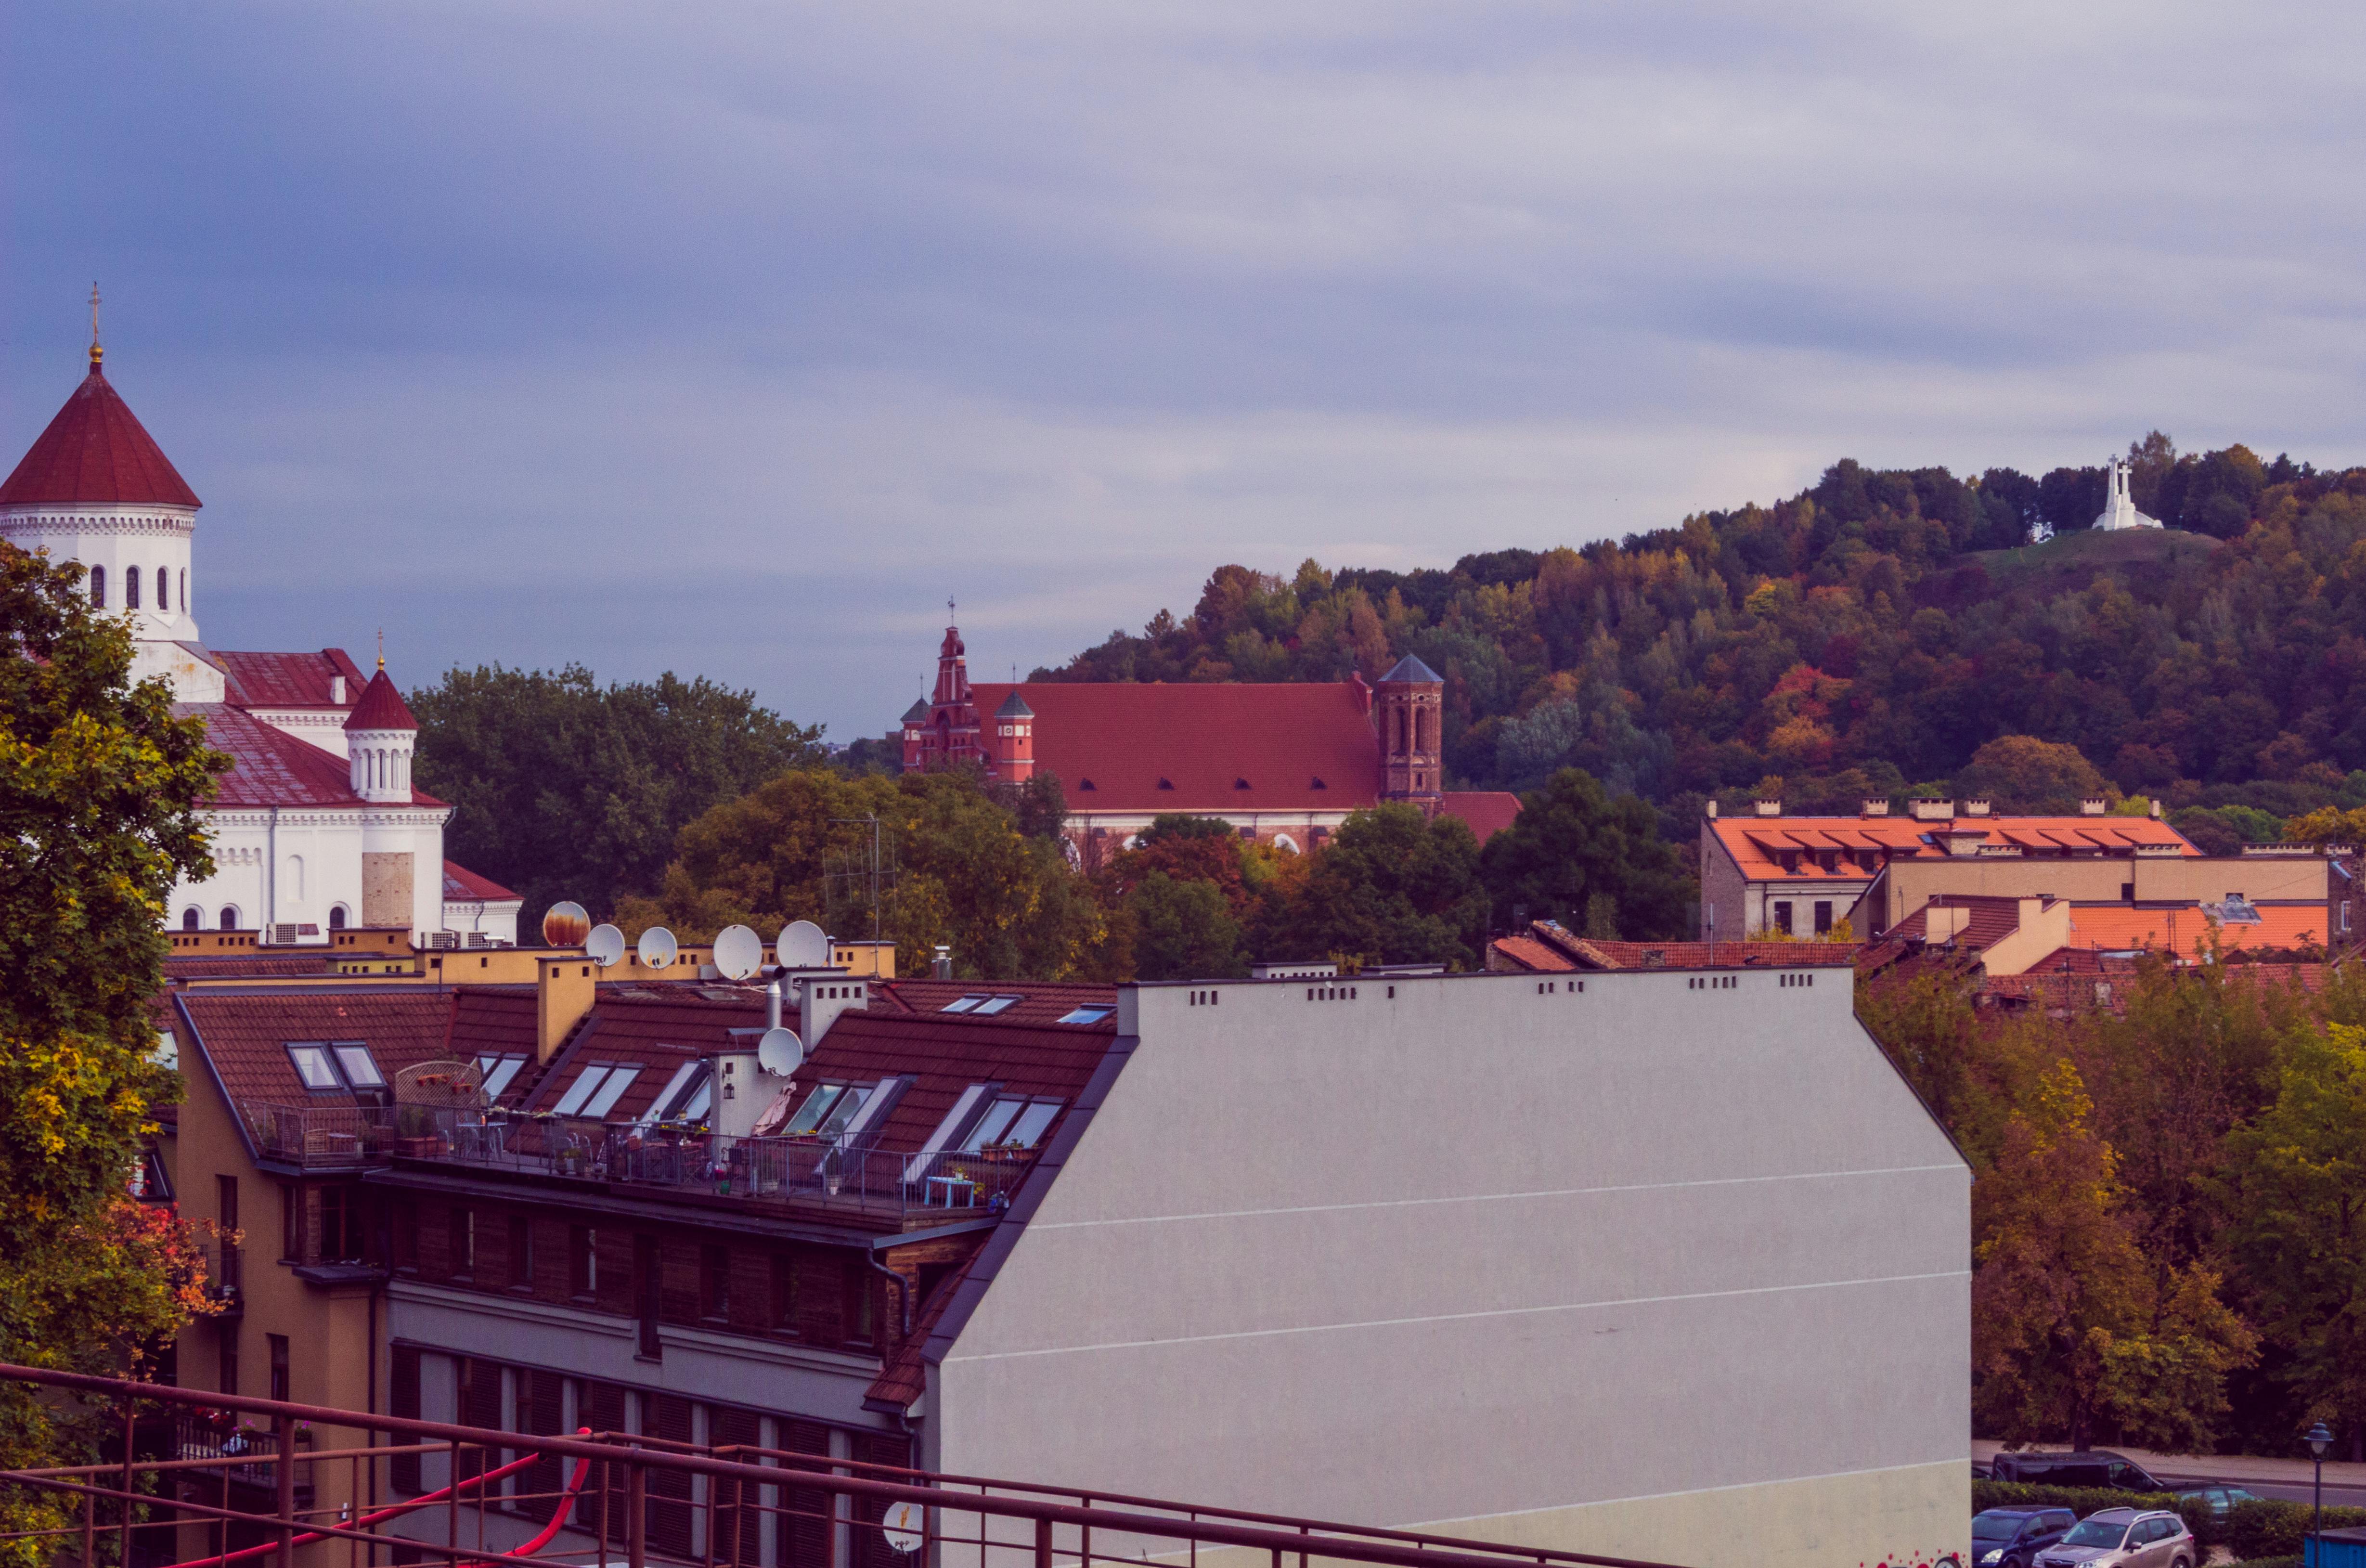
[[322, 1136], [222, 1284]]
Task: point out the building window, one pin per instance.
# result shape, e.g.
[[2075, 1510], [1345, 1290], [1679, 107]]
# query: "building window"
[[463, 1244], [185, 590], [649, 1287], [861, 1305], [582, 1262], [226, 1215], [291, 1224], [403, 1228], [341, 1230], [190, 918], [521, 1253], [784, 1291], [715, 1283], [336, 917], [1783, 918], [132, 587], [278, 1365], [230, 916], [163, 589], [98, 601], [1823, 918]]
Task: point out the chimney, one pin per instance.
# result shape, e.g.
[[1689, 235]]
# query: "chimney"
[[821, 998], [1768, 808], [772, 1004], [2155, 810], [1711, 810], [337, 690], [563, 992], [1978, 806], [942, 969], [1877, 808], [1932, 810], [2092, 805]]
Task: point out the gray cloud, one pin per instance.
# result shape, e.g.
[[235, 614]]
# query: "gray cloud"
[[735, 344]]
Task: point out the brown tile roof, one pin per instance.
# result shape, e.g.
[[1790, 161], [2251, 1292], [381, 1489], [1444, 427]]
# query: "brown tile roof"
[[944, 1055], [1990, 919], [1489, 812], [461, 883], [243, 1033], [656, 1029], [271, 767], [1517, 953], [1549, 947], [905, 1376], [253, 967], [2124, 927], [1038, 1001]]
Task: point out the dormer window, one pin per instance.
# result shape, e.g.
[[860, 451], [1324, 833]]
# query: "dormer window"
[[1317, 783], [332, 1066], [827, 1110], [1085, 783], [498, 1071], [1010, 1123], [1166, 784], [1240, 783], [597, 1088]]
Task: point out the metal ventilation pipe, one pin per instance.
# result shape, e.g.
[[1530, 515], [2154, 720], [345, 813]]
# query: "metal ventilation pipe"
[[772, 1004], [943, 967]]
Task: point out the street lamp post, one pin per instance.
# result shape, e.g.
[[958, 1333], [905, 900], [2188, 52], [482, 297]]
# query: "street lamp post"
[[2318, 1439]]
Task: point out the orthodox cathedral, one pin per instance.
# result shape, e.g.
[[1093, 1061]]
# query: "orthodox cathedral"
[[1284, 762], [317, 827]]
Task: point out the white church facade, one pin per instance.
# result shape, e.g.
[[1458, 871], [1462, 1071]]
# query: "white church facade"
[[317, 827]]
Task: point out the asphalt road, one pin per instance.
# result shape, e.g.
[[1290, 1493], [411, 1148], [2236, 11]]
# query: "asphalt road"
[[2347, 1497]]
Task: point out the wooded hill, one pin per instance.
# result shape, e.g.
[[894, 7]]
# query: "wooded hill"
[[1867, 636]]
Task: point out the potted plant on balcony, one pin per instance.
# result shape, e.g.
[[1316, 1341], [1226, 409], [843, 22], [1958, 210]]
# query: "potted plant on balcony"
[[415, 1134]]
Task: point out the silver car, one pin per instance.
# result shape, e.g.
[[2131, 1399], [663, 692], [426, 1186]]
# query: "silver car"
[[2124, 1537]]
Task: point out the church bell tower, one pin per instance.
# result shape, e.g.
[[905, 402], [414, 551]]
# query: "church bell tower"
[[1411, 708]]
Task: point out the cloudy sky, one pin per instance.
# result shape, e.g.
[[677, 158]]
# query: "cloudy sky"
[[734, 339]]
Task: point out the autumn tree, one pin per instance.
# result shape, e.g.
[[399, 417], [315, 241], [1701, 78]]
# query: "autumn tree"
[[99, 791], [1183, 930], [1391, 887], [2296, 1181], [2072, 1325], [1572, 844], [2023, 773]]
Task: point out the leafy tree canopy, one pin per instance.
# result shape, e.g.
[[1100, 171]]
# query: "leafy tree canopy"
[[568, 789], [1595, 863]]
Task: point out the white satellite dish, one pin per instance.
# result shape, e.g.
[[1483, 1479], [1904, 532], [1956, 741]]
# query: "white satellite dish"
[[906, 1526], [564, 923], [657, 948], [739, 953], [780, 1052], [604, 946], [804, 945]]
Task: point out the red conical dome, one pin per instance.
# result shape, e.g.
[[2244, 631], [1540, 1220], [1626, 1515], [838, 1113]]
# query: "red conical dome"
[[95, 453], [381, 707]]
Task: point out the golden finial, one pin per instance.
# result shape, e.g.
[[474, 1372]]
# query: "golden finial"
[[97, 353], [381, 648]]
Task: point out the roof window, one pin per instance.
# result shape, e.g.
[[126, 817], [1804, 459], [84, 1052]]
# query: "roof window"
[[1085, 1015], [1166, 784], [327, 1066], [995, 1004], [1011, 1122], [827, 1110], [965, 1005], [685, 1096], [1086, 783], [1316, 783], [498, 1071], [597, 1088]]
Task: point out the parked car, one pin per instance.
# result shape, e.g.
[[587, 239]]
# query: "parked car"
[[2219, 1500], [2096, 1467], [2124, 1537], [2011, 1538]]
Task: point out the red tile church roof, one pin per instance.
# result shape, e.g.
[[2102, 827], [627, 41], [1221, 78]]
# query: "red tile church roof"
[[96, 452], [271, 767], [1489, 811], [1229, 748], [289, 680], [461, 883], [381, 707]]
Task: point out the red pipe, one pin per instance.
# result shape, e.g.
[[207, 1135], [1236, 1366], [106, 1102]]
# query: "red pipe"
[[566, 1501]]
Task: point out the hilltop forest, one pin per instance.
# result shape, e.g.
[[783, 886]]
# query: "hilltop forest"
[[1868, 636]]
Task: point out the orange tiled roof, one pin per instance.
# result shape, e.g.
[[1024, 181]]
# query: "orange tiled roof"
[[2123, 928], [1860, 845]]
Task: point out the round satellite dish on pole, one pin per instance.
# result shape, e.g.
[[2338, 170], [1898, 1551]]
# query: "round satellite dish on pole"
[[564, 924], [604, 946], [804, 945], [906, 1526], [739, 953], [657, 948], [780, 1052]]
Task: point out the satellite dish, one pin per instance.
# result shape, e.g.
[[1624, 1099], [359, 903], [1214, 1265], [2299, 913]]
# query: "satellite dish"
[[804, 945], [564, 924], [739, 953], [780, 1053], [657, 948], [604, 946], [906, 1526]]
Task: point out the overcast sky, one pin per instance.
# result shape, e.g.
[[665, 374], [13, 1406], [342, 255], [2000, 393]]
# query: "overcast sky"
[[734, 339]]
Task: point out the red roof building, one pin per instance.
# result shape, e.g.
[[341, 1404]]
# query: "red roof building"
[[1285, 762]]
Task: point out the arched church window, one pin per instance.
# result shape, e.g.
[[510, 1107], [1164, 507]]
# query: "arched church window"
[[98, 587], [185, 590], [230, 916], [163, 589], [336, 917], [132, 587], [190, 920]]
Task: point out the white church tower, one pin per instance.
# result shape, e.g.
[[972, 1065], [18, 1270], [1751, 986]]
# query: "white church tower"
[[95, 488], [2120, 507]]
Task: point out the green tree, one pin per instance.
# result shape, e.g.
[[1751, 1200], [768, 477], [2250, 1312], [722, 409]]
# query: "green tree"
[[2023, 773], [1183, 930], [99, 792], [1573, 842], [2296, 1178], [567, 789], [1391, 887]]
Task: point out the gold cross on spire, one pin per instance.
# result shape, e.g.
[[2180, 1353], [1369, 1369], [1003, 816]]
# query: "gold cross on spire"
[[97, 353], [381, 648]]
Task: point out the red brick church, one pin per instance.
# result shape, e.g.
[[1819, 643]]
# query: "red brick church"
[[1284, 762]]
